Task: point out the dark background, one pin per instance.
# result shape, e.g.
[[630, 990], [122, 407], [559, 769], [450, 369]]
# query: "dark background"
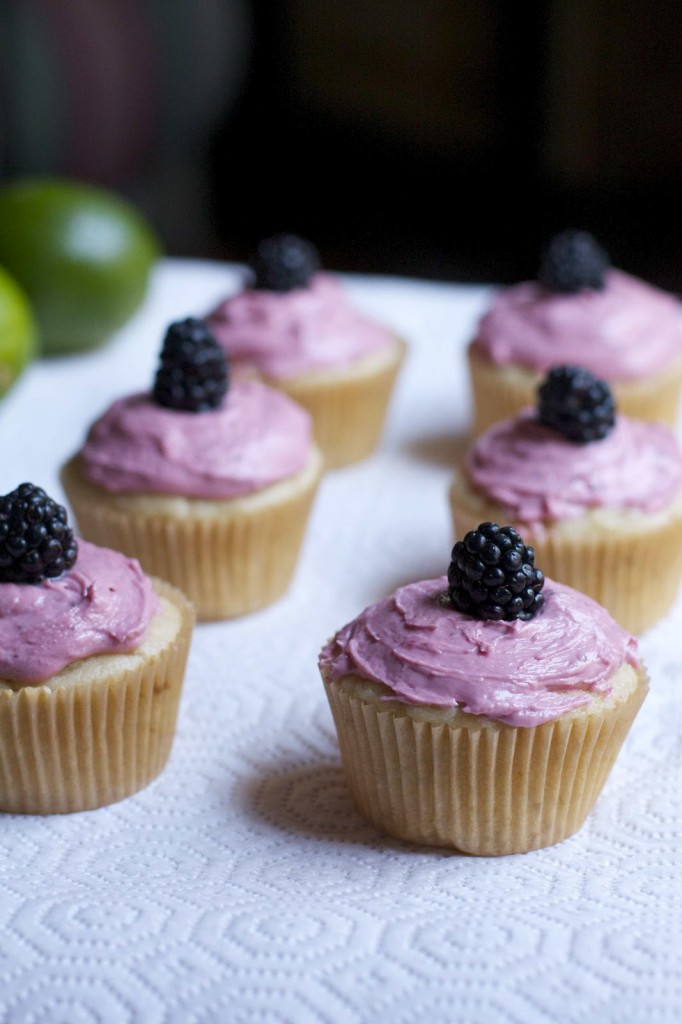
[[421, 137], [449, 139]]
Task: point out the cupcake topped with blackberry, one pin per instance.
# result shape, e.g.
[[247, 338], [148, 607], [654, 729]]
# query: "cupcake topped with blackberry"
[[295, 326], [581, 311], [49, 616], [598, 494], [92, 657], [176, 476], [478, 710], [195, 433]]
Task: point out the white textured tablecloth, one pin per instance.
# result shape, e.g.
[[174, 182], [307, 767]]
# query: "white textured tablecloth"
[[242, 886]]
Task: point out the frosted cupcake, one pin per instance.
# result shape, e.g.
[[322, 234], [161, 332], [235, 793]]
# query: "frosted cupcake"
[[599, 496], [208, 485], [296, 328], [583, 312], [92, 659], [481, 711]]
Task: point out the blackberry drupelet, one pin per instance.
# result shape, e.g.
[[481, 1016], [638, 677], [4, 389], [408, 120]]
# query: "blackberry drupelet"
[[193, 374], [492, 575], [572, 262], [577, 404], [36, 542], [285, 262]]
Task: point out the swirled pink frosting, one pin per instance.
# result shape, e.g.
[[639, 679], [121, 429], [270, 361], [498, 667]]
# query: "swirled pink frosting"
[[101, 606], [537, 475], [257, 437], [626, 331], [520, 673], [283, 334]]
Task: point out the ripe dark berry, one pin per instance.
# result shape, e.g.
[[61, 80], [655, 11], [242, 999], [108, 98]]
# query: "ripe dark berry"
[[572, 262], [36, 542], [577, 404], [285, 262], [192, 375], [492, 575]]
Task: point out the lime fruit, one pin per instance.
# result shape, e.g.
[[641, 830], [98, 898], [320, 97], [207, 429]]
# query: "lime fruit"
[[82, 254], [17, 331]]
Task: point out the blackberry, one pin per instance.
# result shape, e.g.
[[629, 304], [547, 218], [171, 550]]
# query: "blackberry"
[[285, 262], [492, 575], [193, 374], [577, 404], [572, 262], [36, 542]]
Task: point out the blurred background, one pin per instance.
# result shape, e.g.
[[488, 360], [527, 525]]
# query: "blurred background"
[[436, 138]]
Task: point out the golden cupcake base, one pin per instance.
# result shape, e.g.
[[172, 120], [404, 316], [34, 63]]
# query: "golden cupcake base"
[[229, 557], [102, 728], [501, 391], [450, 779]]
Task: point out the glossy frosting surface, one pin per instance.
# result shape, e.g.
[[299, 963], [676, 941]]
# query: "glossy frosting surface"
[[102, 606], [537, 475], [627, 330], [284, 334], [520, 673], [257, 437]]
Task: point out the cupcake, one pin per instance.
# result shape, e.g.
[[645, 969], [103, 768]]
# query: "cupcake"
[[584, 312], [480, 711], [296, 328], [209, 486], [92, 659], [599, 496]]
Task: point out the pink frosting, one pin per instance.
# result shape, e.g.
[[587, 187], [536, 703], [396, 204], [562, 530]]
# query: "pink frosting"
[[626, 331], [102, 606], [283, 334], [537, 475], [520, 673], [257, 437]]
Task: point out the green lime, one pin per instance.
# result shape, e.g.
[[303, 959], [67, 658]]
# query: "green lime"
[[82, 254], [17, 331]]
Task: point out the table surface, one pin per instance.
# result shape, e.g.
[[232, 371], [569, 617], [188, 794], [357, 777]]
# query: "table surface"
[[242, 885]]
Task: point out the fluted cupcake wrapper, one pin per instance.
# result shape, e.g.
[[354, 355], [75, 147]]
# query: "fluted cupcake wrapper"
[[348, 409], [227, 565], [635, 574], [501, 391], [477, 786], [77, 747]]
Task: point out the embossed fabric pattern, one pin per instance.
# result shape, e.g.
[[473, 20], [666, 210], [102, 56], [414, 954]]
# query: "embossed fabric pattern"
[[242, 885]]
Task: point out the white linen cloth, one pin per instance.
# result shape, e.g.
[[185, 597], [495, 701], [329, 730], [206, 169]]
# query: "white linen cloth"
[[242, 886]]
